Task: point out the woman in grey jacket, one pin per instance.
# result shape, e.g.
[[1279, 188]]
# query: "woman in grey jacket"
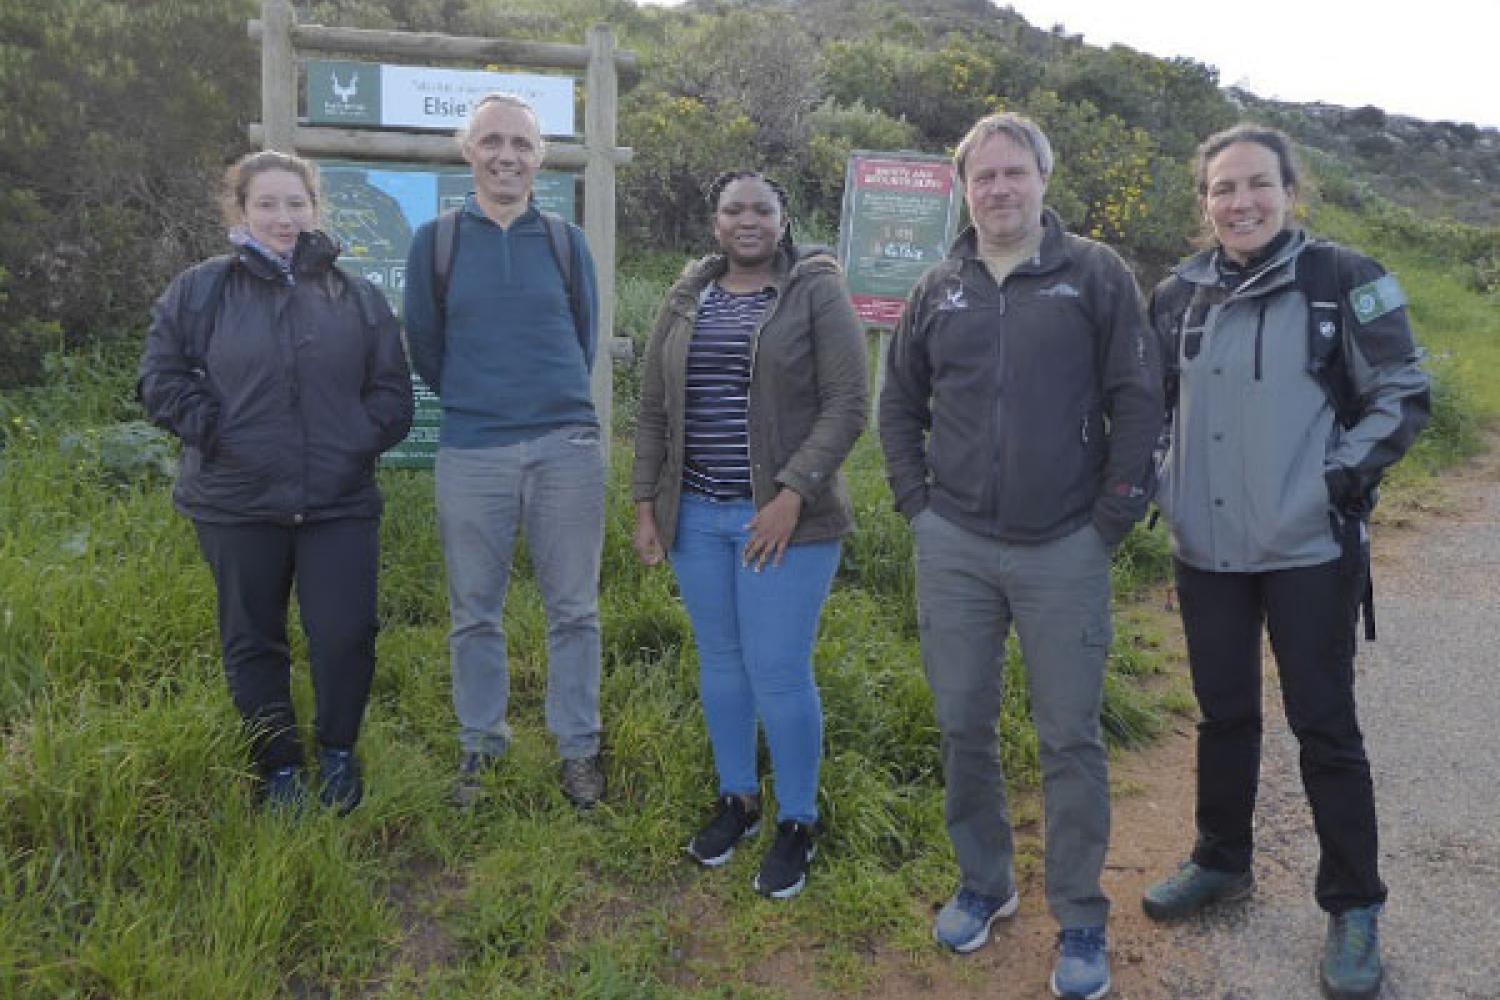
[[1288, 409], [285, 379], [753, 395]]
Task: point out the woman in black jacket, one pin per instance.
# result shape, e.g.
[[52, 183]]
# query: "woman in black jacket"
[[285, 379]]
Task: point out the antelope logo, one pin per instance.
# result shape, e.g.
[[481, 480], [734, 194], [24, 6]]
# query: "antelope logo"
[[344, 91]]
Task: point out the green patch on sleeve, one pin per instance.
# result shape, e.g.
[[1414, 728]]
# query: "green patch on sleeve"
[[1374, 300]]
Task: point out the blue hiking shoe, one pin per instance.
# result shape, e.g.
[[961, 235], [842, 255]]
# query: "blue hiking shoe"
[[285, 790], [1082, 969], [963, 924], [1351, 955], [340, 786], [1192, 888]]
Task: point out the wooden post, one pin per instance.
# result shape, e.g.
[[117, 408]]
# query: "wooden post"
[[600, 116], [278, 77]]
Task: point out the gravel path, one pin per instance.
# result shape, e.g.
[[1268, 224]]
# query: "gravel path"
[[1429, 693]]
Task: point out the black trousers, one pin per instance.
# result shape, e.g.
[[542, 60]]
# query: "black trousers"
[[333, 564], [1309, 613]]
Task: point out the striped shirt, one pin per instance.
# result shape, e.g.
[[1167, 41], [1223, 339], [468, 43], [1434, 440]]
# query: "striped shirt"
[[716, 442]]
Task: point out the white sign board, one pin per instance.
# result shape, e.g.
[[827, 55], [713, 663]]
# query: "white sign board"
[[437, 99]]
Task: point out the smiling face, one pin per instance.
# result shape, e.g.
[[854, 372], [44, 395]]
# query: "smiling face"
[[504, 149], [1245, 199], [748, 222], [1003, 187], [277, 208]]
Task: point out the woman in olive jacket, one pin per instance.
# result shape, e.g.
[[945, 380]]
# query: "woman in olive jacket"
[[285, 378], [754, 392]]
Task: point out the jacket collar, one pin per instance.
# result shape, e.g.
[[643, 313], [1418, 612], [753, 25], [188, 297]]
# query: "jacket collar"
[[699, 274], [1203, 268], [471, 207], [1053, 252], [313, 255]]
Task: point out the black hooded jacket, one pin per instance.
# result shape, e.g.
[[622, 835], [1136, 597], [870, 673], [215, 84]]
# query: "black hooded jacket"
[[283, 393]]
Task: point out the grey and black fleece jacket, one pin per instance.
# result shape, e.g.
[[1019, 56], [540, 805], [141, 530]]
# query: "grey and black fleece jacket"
[[1258, 461], [1024, 410]]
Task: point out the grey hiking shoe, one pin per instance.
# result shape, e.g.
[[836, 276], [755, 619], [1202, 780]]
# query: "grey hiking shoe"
[[1351, 955], [468, 786], [583, 781], [963, 924], [1193, 888]]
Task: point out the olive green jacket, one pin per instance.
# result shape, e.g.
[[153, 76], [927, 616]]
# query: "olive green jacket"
[[808, 394]]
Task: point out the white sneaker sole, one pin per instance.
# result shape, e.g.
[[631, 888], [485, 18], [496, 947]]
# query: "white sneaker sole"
[[1096, 995], [789, 891], [722, 859]]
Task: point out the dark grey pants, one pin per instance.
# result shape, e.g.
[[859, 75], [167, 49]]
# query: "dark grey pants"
[[970, 589]]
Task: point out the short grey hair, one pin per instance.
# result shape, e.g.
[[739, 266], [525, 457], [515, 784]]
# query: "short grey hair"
[[499, 97], [1018, 128]]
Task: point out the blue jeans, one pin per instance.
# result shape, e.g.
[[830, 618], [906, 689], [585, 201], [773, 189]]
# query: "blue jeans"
[[755, 634], [553, 488]]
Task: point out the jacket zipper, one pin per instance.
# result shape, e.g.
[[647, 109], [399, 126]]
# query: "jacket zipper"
[[1260, 329]]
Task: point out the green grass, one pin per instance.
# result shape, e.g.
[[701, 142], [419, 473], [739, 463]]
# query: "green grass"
[[133, 862]]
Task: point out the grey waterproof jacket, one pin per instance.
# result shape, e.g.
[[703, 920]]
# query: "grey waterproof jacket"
[[808, 394], [284, 396], [1024, 410], [1258, 467]]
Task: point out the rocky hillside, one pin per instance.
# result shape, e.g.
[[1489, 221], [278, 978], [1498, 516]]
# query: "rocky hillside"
[[1436, 168]]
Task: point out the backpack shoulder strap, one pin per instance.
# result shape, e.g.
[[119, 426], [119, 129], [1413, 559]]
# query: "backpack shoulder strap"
[[204, 293], [444, 250], [560, 239], [373, 306], [1321, 280], [1321, 277]]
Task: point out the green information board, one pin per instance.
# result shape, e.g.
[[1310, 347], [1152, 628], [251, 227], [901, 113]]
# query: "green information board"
[[373, 209], [901, 212]]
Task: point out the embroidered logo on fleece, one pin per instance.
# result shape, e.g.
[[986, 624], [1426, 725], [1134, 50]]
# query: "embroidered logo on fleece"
[[1061, 290], [953, 298], [1374, 300]]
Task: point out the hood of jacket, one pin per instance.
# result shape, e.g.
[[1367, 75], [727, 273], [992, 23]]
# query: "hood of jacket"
[[313, 256]]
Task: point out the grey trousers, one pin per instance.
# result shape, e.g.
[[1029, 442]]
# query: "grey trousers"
[[552, 487], [970, 589]]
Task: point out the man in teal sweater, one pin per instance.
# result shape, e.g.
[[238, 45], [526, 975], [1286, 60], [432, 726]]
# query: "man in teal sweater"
[[509, 354]]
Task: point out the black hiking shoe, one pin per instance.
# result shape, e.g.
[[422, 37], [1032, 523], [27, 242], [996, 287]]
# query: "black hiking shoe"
[[784, 871], [736, 819], [340, 786]]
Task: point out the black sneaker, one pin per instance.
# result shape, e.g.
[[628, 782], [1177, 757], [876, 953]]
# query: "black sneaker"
[[340, 786], [468, 787], [736, 819], [784, 871]]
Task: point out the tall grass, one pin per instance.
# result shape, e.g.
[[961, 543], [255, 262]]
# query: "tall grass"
[[133, 862]]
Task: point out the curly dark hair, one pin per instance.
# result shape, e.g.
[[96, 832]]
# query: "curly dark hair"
[[716, 191]]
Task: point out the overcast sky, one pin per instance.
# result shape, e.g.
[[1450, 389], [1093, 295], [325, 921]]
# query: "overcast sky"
[[1433, 59]]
